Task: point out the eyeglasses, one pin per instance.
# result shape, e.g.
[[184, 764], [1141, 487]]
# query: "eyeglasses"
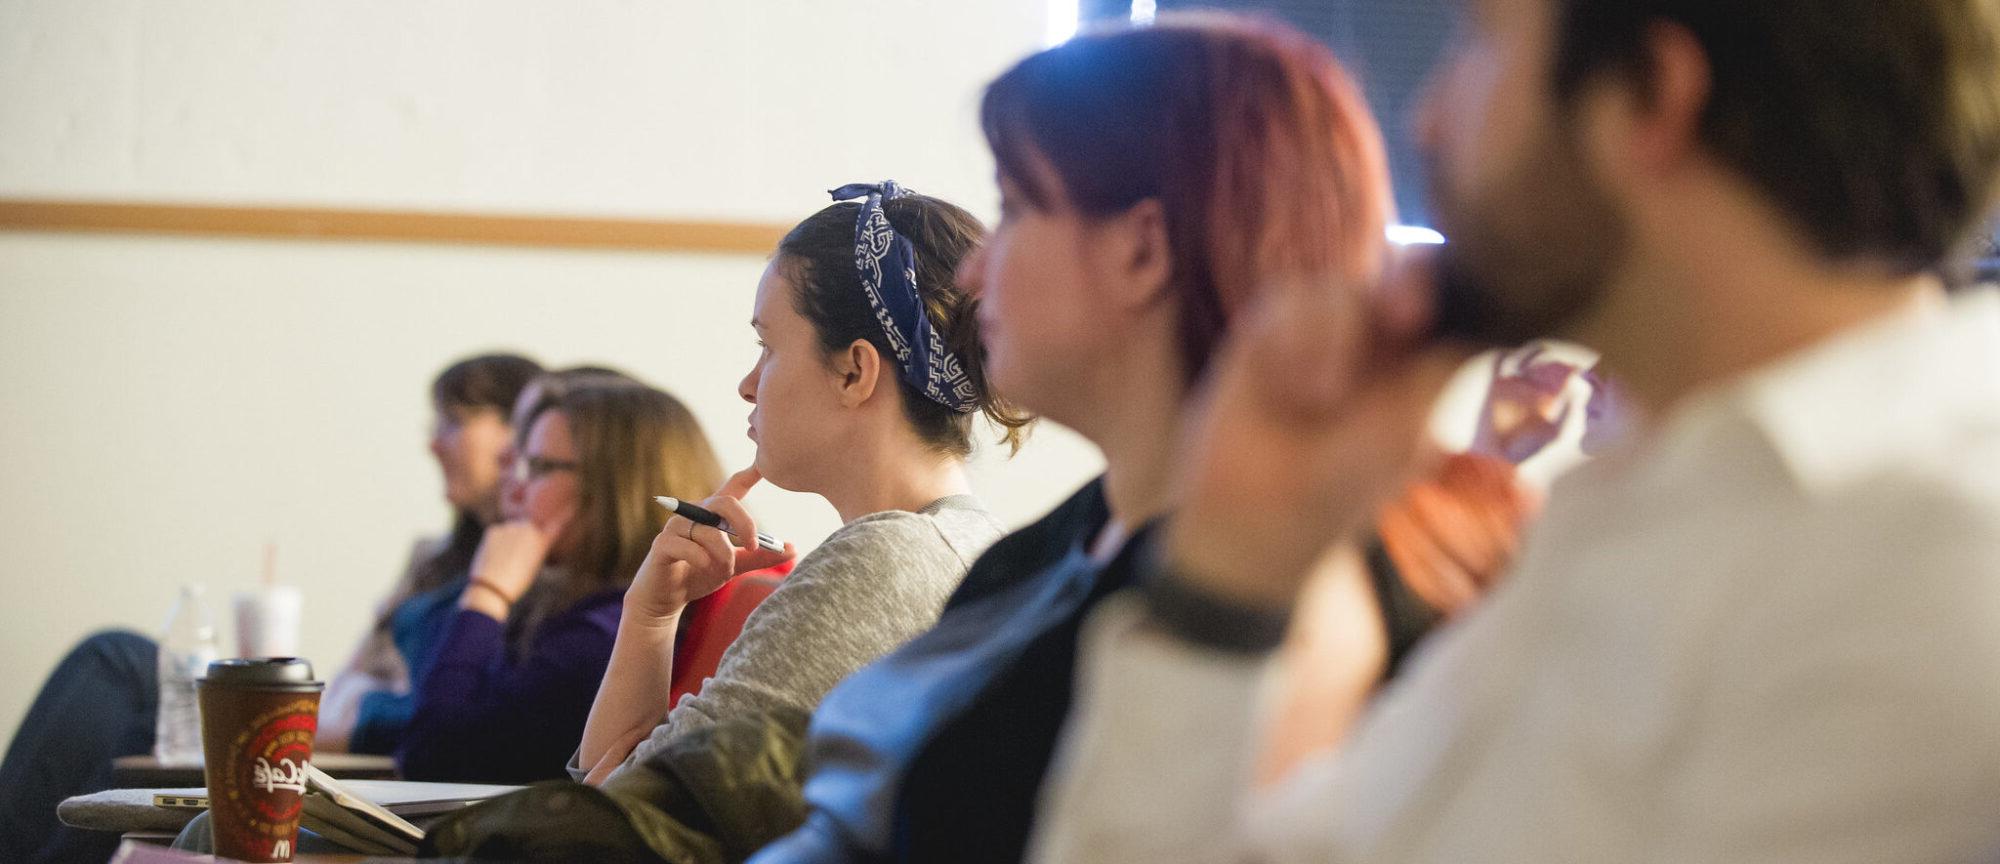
[[535, 468]]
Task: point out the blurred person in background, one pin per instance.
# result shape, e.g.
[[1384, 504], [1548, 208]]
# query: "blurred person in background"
[[367, 703], [529, 638], [100, 702]]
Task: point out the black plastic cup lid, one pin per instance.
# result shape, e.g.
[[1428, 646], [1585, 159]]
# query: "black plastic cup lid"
[[287, 672]]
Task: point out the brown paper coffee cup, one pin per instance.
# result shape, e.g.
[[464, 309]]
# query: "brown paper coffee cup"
[[258, 717]]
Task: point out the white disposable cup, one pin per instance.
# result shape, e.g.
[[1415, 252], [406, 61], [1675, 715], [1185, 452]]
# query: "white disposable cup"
[[267, 621]]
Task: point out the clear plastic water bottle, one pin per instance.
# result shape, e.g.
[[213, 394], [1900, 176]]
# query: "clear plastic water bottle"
[[186, 649]]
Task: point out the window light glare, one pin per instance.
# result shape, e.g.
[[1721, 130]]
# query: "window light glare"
[[1409, 235]]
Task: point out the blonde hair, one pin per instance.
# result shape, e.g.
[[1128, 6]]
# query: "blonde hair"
[[632, 442]]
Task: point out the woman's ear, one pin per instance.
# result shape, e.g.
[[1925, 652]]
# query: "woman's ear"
[[857, 371], [1139, 256]]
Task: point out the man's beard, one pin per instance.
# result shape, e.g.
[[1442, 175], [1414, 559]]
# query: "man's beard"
[[1530, 255]]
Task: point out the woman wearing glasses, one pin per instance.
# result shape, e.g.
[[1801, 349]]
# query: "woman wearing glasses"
[[506, 698]]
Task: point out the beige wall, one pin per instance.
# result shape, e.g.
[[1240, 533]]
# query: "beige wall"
[[170, 405]]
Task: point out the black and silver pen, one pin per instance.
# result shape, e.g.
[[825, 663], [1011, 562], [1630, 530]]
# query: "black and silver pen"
[[702, 516]]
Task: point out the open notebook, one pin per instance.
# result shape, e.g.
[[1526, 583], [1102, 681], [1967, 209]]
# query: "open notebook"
[[367, 816]]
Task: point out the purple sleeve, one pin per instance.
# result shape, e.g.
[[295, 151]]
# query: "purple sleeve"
[[482, 717]]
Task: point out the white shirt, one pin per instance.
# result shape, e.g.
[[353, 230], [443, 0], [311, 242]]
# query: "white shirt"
[[1771, 635]]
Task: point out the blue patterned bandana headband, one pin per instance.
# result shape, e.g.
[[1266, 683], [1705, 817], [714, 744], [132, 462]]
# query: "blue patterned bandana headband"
[[887, 262]]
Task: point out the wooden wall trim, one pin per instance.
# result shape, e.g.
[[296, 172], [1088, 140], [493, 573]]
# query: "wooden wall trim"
[[326, 223]]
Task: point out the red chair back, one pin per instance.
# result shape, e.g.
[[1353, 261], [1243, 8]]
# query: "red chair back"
[[710, 626]]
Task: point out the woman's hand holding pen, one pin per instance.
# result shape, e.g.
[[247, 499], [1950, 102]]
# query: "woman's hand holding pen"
[[689, 561]]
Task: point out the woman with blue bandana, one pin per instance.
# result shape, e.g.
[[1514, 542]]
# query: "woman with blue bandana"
[[865, 393]]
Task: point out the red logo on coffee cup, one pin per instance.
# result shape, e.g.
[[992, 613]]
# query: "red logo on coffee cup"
[[267, 763]]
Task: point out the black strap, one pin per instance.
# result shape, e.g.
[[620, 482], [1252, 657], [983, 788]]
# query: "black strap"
[[1200, 617], [1405, 616]]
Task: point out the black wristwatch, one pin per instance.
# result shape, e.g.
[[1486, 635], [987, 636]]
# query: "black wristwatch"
[[1193, 614]]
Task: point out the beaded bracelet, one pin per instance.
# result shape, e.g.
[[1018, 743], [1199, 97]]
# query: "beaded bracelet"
[[490, 585]]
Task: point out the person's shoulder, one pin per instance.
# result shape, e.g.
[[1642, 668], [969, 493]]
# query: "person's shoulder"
[[1913, 543], [956, 515], [888, 536], [598, 612], [422, 551], [1082, 513], [968, 527], [1026, 552], [951, 513], [427, 547], [1951, 501]]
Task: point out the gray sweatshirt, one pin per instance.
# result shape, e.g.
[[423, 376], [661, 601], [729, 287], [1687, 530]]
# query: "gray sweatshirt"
[[875, 583]]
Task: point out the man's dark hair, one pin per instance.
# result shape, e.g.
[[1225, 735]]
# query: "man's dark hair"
[[1874, 125]]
